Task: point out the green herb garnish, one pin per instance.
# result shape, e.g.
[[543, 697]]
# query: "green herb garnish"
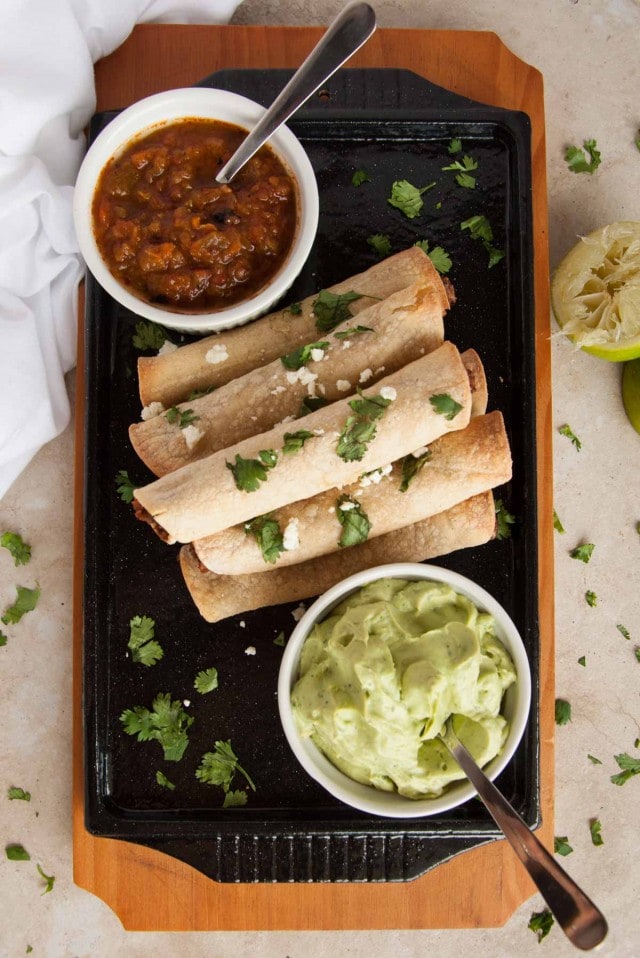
[[266, 531], [561, 845], [279, 639], [630, 767], [18, 793], [563, 711], [464, 167], [624, 632], [249, 473], [162, 779], [3, 639], [360, 177], [179, 417], [26, 602], [567, 431], [206, 681], [311, 404], [591, 598], [49, 880], [295, 309], [583, 552], [294, 441], [380, 243], [408, 198], [480, 229], [354, 521], [220, 766], [124, 486], [233, 799], [331, 309], [166, 723], [541, 923], [144, 649], [445, 405], [148, 335], [557, 525], [360, 430], [504, 520], [594, 760], [576, 158], [17, 853], [19, 549], [582, 661], [595, 828], [411, 466], [353, 331], [199, 393], [455, 146], [300, 357], [440, 259]]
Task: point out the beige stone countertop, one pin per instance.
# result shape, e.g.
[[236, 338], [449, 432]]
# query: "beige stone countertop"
[[587, 51]]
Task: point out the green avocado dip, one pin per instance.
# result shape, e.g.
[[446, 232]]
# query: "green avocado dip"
[[380, 676]]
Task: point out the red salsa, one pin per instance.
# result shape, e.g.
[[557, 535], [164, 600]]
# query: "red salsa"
[[176, 238]]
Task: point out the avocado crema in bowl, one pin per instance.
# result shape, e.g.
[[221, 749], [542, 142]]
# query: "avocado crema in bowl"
[[373, 676]]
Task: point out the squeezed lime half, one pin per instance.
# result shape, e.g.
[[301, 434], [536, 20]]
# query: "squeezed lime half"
[[631, 392]]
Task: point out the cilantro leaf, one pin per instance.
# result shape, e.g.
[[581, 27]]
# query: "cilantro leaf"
[[206, 681], [249, 473], [630, 767], [637, 141], [594, 760], [595, 827], [561, 845], [582, 661], [583, 552], [300, 357], [331, 309], [49, 879], [541, 923], [504, 520], [26, 602], [440, 259], [353, 331], [19, 549], [464, 178], [636, 652], [455, 146], [162, 779], [380, 243], [220, 766], [233, 799], [166, 723], [148, 335], [199, 393], [563, 711], [267, 533], [411, 466], [124, 486], [591, 598], [295, 309], [279, 639], [143, 649], [17, 853], [294, 441], [360, 177], [311, 404], [577, 160], [557, 525], [18, 793], [180, 417], [3, 639], [408, 198], [354, 521], [624, 632], [480, 229], [445, 405], [359, 430], [148, 654], [567, 431]]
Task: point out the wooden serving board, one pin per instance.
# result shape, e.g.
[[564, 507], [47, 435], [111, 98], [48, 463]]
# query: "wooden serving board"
[[479, 888]]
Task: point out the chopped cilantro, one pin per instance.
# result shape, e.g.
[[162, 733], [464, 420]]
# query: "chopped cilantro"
[[411, 466], [594, 760], [591, 598], [630, 767], [380, 243], [354, 521], [311, 404], [331, 309], [541, 923], [563, 712], [199, 393], [279, 639], [480, 229], [249, 473], [26, 601], [561, 845], [576, 158], [300, 357], [148, 654], [624, 632], [233, 799], [359, 430], [636, 652], [567, 431], [637, 141], [3, 638], [124, 486], [29, 950], [582, 661], [206, 681], [557, 525], [143, 649], [162, 779], [295, 309], [166, 723], [464, 177], [148, 335], [267, 533], [19, 549], [445, 405], [18, 793], [408, 198], [353, 331], [455, 146], [504, 520], [294, 441], [595, 827], [360, 177], [17, 853], [220, 766], [49, 880], [440, 259], [180, 417], [583, 552]]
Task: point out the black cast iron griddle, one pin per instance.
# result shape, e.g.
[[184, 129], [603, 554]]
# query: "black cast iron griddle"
[[395, 125]]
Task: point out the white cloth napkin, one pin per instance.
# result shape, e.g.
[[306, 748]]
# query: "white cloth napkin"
[[47, 95]]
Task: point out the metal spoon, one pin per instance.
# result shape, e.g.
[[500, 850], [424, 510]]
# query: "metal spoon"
[[347, 33], [583, 924]]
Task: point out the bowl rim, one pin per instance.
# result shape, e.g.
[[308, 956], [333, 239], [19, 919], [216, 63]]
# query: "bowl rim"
[[167, 107], [366, 798]]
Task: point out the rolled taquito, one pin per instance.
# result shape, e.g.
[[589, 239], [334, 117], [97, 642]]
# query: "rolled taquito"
[[388, 335], [330, 447], [215, 360], [454, 468], [470, 523]]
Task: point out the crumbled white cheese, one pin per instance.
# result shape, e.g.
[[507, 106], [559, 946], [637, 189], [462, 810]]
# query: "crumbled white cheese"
[[419, 452], [290, 536], [321, 389], [376, 476], [250, 650], [365, 375], [167, 347], [318, 432], [242, 624], [192, 435], [346, 344], [298, 612], [186, 703], [343, 385], [380, 369], [151, 411], [302, 375], [388, 392], [317, 355], [278, 390], [217, 354], [347, 506]]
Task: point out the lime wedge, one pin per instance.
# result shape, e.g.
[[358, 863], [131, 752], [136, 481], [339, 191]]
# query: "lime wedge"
[[631, 392], [595, 292]]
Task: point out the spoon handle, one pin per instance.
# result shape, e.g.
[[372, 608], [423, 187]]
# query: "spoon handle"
[[582, 922], [347, 33]]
